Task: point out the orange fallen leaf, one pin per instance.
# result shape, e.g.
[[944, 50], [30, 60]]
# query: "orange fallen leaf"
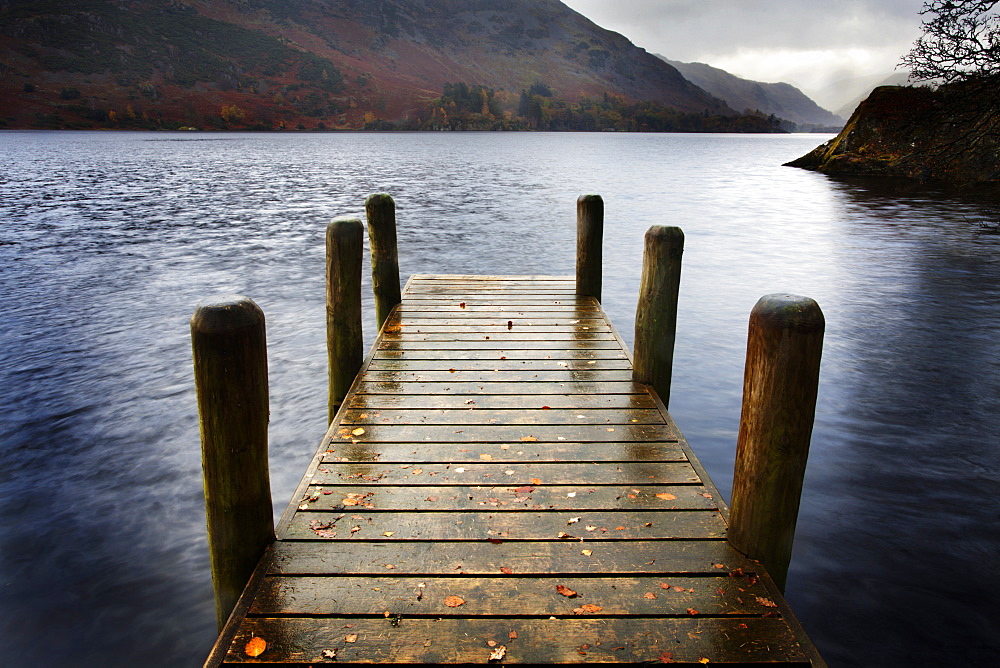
[[462, 305], [528, 438], [486, 458], [588, 608], [703, 660], [351, 637], [667, 657], [512, 635], [666, 497], [506, 570], [255, 646], [650, 595], [692, 611], [766, 602], [565, 591], [454, 601], [619, 528], [535, 481]]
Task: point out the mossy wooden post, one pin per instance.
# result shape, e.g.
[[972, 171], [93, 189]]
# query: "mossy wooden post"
[[656, 312], [381, 213], [589, 245], [344, 344], [784, 346], [230, 373]]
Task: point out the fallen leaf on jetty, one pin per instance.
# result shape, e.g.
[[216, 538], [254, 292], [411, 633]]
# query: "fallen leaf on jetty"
[[587, 608], [330, 653], [535, 481], [667, 657], [358, 432], [462, 305], [512, 635], [692, 611], [454, 601], [766, 602], [498, 653], [486, 458], [255, 646], [528, 438], [666, 497], [565, 591], [351, 637], [650, 595], [586, 553]]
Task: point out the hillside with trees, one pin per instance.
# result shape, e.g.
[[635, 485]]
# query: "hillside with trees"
[[313, 64]]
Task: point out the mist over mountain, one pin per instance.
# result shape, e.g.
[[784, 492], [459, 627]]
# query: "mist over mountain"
[[306, 63], [781, 99]]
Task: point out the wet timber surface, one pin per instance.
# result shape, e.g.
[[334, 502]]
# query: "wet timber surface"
[[496, 489]]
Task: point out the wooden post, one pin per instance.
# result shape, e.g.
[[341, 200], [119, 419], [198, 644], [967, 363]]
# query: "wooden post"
[[589, 241], [230, 373], [656, 312], [784, 346], [381, 213], [344, 343]]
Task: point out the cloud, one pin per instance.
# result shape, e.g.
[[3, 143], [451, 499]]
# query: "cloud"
[[809, 42]]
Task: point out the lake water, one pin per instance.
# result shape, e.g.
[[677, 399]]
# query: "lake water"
[[108, 240]]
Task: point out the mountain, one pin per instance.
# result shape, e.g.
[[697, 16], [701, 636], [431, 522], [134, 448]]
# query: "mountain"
[[306, 63], [781, 99]]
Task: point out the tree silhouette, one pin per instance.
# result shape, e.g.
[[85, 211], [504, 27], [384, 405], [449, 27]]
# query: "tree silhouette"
[[961, 42]]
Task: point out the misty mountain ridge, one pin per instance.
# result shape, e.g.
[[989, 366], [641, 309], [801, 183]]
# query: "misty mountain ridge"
[[781, 99]]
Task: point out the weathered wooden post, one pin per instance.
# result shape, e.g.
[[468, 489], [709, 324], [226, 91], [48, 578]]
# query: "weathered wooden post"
[[344, 344], [656, 312], [230, 372], [784, 346], [589, 245], [381, 213]]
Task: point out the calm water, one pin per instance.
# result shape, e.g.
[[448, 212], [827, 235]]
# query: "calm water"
[[107, 242]]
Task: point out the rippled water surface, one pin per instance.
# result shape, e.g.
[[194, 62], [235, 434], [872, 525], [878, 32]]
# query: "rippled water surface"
[[107, 242]]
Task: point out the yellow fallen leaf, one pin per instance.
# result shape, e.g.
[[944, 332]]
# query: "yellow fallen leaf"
[[535, 481], [703, 660], [498, 653], [388, 533], [486, 458], [358, 432], [586, 553], [666, 497], [528, 438], [351, 637], [255, 646]]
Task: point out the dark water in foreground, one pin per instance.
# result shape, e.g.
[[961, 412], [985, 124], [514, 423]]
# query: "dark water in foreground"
[[107, 242]]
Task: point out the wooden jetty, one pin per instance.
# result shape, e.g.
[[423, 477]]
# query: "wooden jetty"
[[497, 488]]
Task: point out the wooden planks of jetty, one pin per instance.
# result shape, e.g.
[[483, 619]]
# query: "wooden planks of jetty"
[[497, 489]]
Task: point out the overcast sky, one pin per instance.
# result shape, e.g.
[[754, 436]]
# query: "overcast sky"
[[809, 43]]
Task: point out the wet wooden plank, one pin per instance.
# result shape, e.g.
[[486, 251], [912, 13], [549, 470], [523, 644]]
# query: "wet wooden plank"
[[410, 364], [500, 376], [506, 433], [661, 558], [500, 337], [568, 387], [359, 523], [501, 401], [508, 497], [470, 415], [470, 355], [571, 473], [511, 595], [500, 346], [684, 640], [458, 453]]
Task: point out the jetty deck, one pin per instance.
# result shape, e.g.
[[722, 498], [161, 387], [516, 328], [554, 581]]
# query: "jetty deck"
[[497, 489]]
